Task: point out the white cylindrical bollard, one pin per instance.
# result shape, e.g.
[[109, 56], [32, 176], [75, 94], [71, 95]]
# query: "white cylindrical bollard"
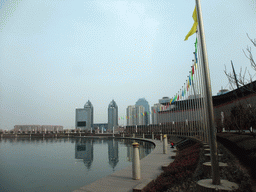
[[152, 135], [133, 135], [165, 144], [161, 137], [136, 162], [143, 135]]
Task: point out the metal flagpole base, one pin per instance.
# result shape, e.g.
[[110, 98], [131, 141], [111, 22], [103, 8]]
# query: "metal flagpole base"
[[206, 185]]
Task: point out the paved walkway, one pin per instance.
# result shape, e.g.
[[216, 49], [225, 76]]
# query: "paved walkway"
[[121, 181]]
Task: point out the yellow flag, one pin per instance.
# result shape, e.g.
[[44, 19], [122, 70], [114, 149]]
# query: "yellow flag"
[[193, 29]]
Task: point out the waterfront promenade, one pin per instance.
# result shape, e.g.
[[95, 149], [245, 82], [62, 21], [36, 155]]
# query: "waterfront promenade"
[[121, 181]]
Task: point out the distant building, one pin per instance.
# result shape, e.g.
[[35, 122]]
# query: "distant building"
[[223, 104], [135, 115], [84, 117], [130, 114], [112, 115], [222, 91], [154, 113], [38, 128], [101, 126], [143, 102], [164, 100]]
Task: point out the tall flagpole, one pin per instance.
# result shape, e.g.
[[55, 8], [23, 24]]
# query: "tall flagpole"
[[209, 106]]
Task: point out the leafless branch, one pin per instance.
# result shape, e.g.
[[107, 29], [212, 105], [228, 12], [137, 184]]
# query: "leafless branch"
[[253, 41]]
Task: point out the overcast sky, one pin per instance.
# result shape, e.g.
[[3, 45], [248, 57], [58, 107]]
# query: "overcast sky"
[[57, 54]]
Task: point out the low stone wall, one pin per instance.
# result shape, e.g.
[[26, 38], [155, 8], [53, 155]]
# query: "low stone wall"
[[241, 153]]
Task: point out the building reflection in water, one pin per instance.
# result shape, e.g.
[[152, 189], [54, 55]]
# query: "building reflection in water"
[[113, 153], [145, 148], [84, 148], [84, 151]]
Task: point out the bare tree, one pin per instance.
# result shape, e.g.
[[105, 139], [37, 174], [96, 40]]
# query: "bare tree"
[[244, 77], [243, 118]]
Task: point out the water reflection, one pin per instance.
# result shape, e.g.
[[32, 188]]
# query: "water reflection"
[[113, 153], [84, 151], [84, 147]]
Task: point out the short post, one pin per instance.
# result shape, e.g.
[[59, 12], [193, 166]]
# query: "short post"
[[161, 137], [136, 162], [143, 135], [152, 135], [133, 135], [165, 144]]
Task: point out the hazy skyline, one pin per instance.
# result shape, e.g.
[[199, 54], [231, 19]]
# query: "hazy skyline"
[[55, 55]]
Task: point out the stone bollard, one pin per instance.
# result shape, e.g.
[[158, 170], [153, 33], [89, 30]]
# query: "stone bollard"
[[152, 135], [136, 162], [165, 144], [161, 137], [143, 135]]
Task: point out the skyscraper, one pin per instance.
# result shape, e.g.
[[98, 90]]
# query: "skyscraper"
[[130, 114], [143, 102], [154, 112], [112, 115], [84, 116], [135, 115]]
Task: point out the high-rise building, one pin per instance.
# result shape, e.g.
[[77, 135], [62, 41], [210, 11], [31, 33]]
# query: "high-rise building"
[[140, 115], [130, 113], [135, 115], [143, 102], [112, 115], [154, 113], [84, 117]]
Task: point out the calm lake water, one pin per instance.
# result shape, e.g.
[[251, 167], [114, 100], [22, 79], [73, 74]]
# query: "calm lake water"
[[62, 164]]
